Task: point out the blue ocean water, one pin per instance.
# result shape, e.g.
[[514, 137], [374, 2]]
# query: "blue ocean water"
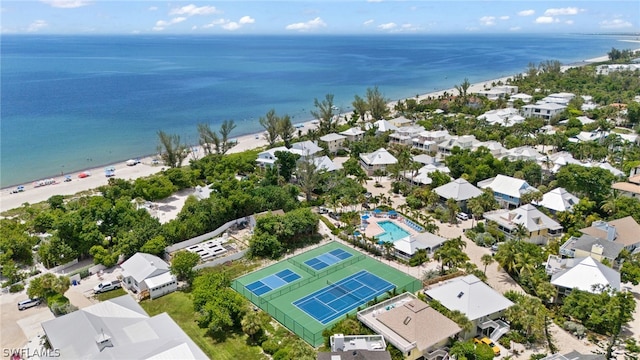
[[74, 102]]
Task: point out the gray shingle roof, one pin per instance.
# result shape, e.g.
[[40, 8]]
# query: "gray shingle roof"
[[459, 189]]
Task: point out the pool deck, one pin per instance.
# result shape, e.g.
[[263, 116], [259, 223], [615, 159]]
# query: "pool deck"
[[373, 229]]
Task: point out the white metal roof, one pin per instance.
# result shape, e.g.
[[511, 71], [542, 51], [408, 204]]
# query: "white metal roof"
[[558, 199], [459, 189], [585, 275]]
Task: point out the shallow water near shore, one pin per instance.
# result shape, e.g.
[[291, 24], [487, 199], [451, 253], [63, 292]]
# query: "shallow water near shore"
[[75, 102]]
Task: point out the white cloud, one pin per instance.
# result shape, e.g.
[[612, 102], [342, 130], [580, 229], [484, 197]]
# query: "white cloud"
[[615, 24], [306, 26], [368, 22], [215, 23], [545, 20], [231, 26], [162, 24], [246, 20], [515, 28], [488, 20], [526, 12], [37, 25], [387, 26], [66, 4], [505, 17], [191, 10], [562, 11]]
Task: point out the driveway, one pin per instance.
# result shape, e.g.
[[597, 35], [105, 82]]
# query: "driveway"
[[20, 326]]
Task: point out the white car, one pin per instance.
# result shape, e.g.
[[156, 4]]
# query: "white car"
[[25, 304], [462, 216]]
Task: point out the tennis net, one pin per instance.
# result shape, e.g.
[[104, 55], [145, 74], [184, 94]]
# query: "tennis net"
[[343, 290]]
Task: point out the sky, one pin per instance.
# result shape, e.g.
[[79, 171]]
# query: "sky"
[[317, 17]]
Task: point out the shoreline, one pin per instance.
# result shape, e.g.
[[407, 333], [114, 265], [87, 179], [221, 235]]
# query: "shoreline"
[[146, 168]]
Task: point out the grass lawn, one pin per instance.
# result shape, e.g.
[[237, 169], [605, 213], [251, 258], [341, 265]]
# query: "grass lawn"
[[110, 294], [180, 307]]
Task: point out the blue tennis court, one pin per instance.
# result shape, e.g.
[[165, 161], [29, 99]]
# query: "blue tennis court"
[[272, 282], [335, 300], [327, 259]]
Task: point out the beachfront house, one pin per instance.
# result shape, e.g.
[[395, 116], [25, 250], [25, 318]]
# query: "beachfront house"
[[525, 98], [506, 189], [482, 305], [381, 126], [333, 141], [147, 274], [557, 200], [538, 226], [267, 158], [543, 110], [353, 134], [586, 274], [305, 149], [412, 326], [119, 328], [377, 160], [401, 121]]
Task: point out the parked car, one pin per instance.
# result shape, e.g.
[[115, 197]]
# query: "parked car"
[[462, 216], [106, 286], [25, 304], [487, 341]]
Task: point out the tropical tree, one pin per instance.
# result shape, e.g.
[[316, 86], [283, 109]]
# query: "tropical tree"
[[388, 249], [308, 176], [182, 265], [251, 324], [172, 151], [520, 232], [286, 130], [450, 254], [377, 104], [48, 285], [324, 114], [225, 130], [361, 107], [271, 125], [486, 260], [452, 209]]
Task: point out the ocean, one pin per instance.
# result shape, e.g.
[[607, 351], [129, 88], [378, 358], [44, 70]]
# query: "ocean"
[[75, 102]]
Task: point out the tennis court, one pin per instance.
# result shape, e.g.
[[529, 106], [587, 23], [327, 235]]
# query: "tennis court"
[[307, 301], [273, 282], [327, 259], [339, 298]]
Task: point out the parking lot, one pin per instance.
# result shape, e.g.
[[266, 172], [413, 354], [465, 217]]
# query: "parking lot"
[[20, 326]]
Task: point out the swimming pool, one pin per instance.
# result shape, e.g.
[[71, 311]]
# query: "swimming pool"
[[392, 232]]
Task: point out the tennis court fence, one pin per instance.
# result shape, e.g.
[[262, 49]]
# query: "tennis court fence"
[[303, 267]]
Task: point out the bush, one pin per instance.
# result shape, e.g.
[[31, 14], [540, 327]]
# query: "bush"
[[84, 274], [16, 288], [270, 346]]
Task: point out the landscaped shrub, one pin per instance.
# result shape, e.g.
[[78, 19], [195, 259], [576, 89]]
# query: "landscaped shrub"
[[578, 330], [16, 288], [84, 274], [270, 346]]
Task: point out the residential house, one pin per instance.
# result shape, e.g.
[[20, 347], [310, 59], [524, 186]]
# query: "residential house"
[[405, 135], [463, 142], [407, 247], [539, 227], [268, 157], [401, 121], [353, 134], [428, 140], [481, 304], [411, 325], [587, 275], [526, 153], [562, 98], [498, 92], [306, 148], [119, 328], [543, 111], [587, 245], [631, 188], [504, 117], [606, 69], [356, 347], [605, 165], [555, 161], [558, 200], [424, 159], [381, 126], [324, 163], [421, 176], [526, 98], [506, 189], [495, 148], [144, 273], [460, 190], [377, 160], [333, 141], [623, 231]]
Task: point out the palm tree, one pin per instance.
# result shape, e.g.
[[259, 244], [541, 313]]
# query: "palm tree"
[[525, 263], [610, 205], [270, 123], [520, 232], [486, 260], [453, 208], [324, 114], [388, 249], [506, 256], [251, 324], [360, 106]]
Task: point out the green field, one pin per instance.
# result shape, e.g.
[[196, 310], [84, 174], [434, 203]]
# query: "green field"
[[279, 302]]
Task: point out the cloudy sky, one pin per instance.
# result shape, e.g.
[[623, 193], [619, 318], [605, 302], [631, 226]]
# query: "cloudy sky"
[[316, 17]]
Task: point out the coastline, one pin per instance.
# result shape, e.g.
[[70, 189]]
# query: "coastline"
[[145, 168]]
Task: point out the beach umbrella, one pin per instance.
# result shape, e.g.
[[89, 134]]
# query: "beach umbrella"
[[377, 211], [365, 217], [380, 242], [392, 212], [356, 233]]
